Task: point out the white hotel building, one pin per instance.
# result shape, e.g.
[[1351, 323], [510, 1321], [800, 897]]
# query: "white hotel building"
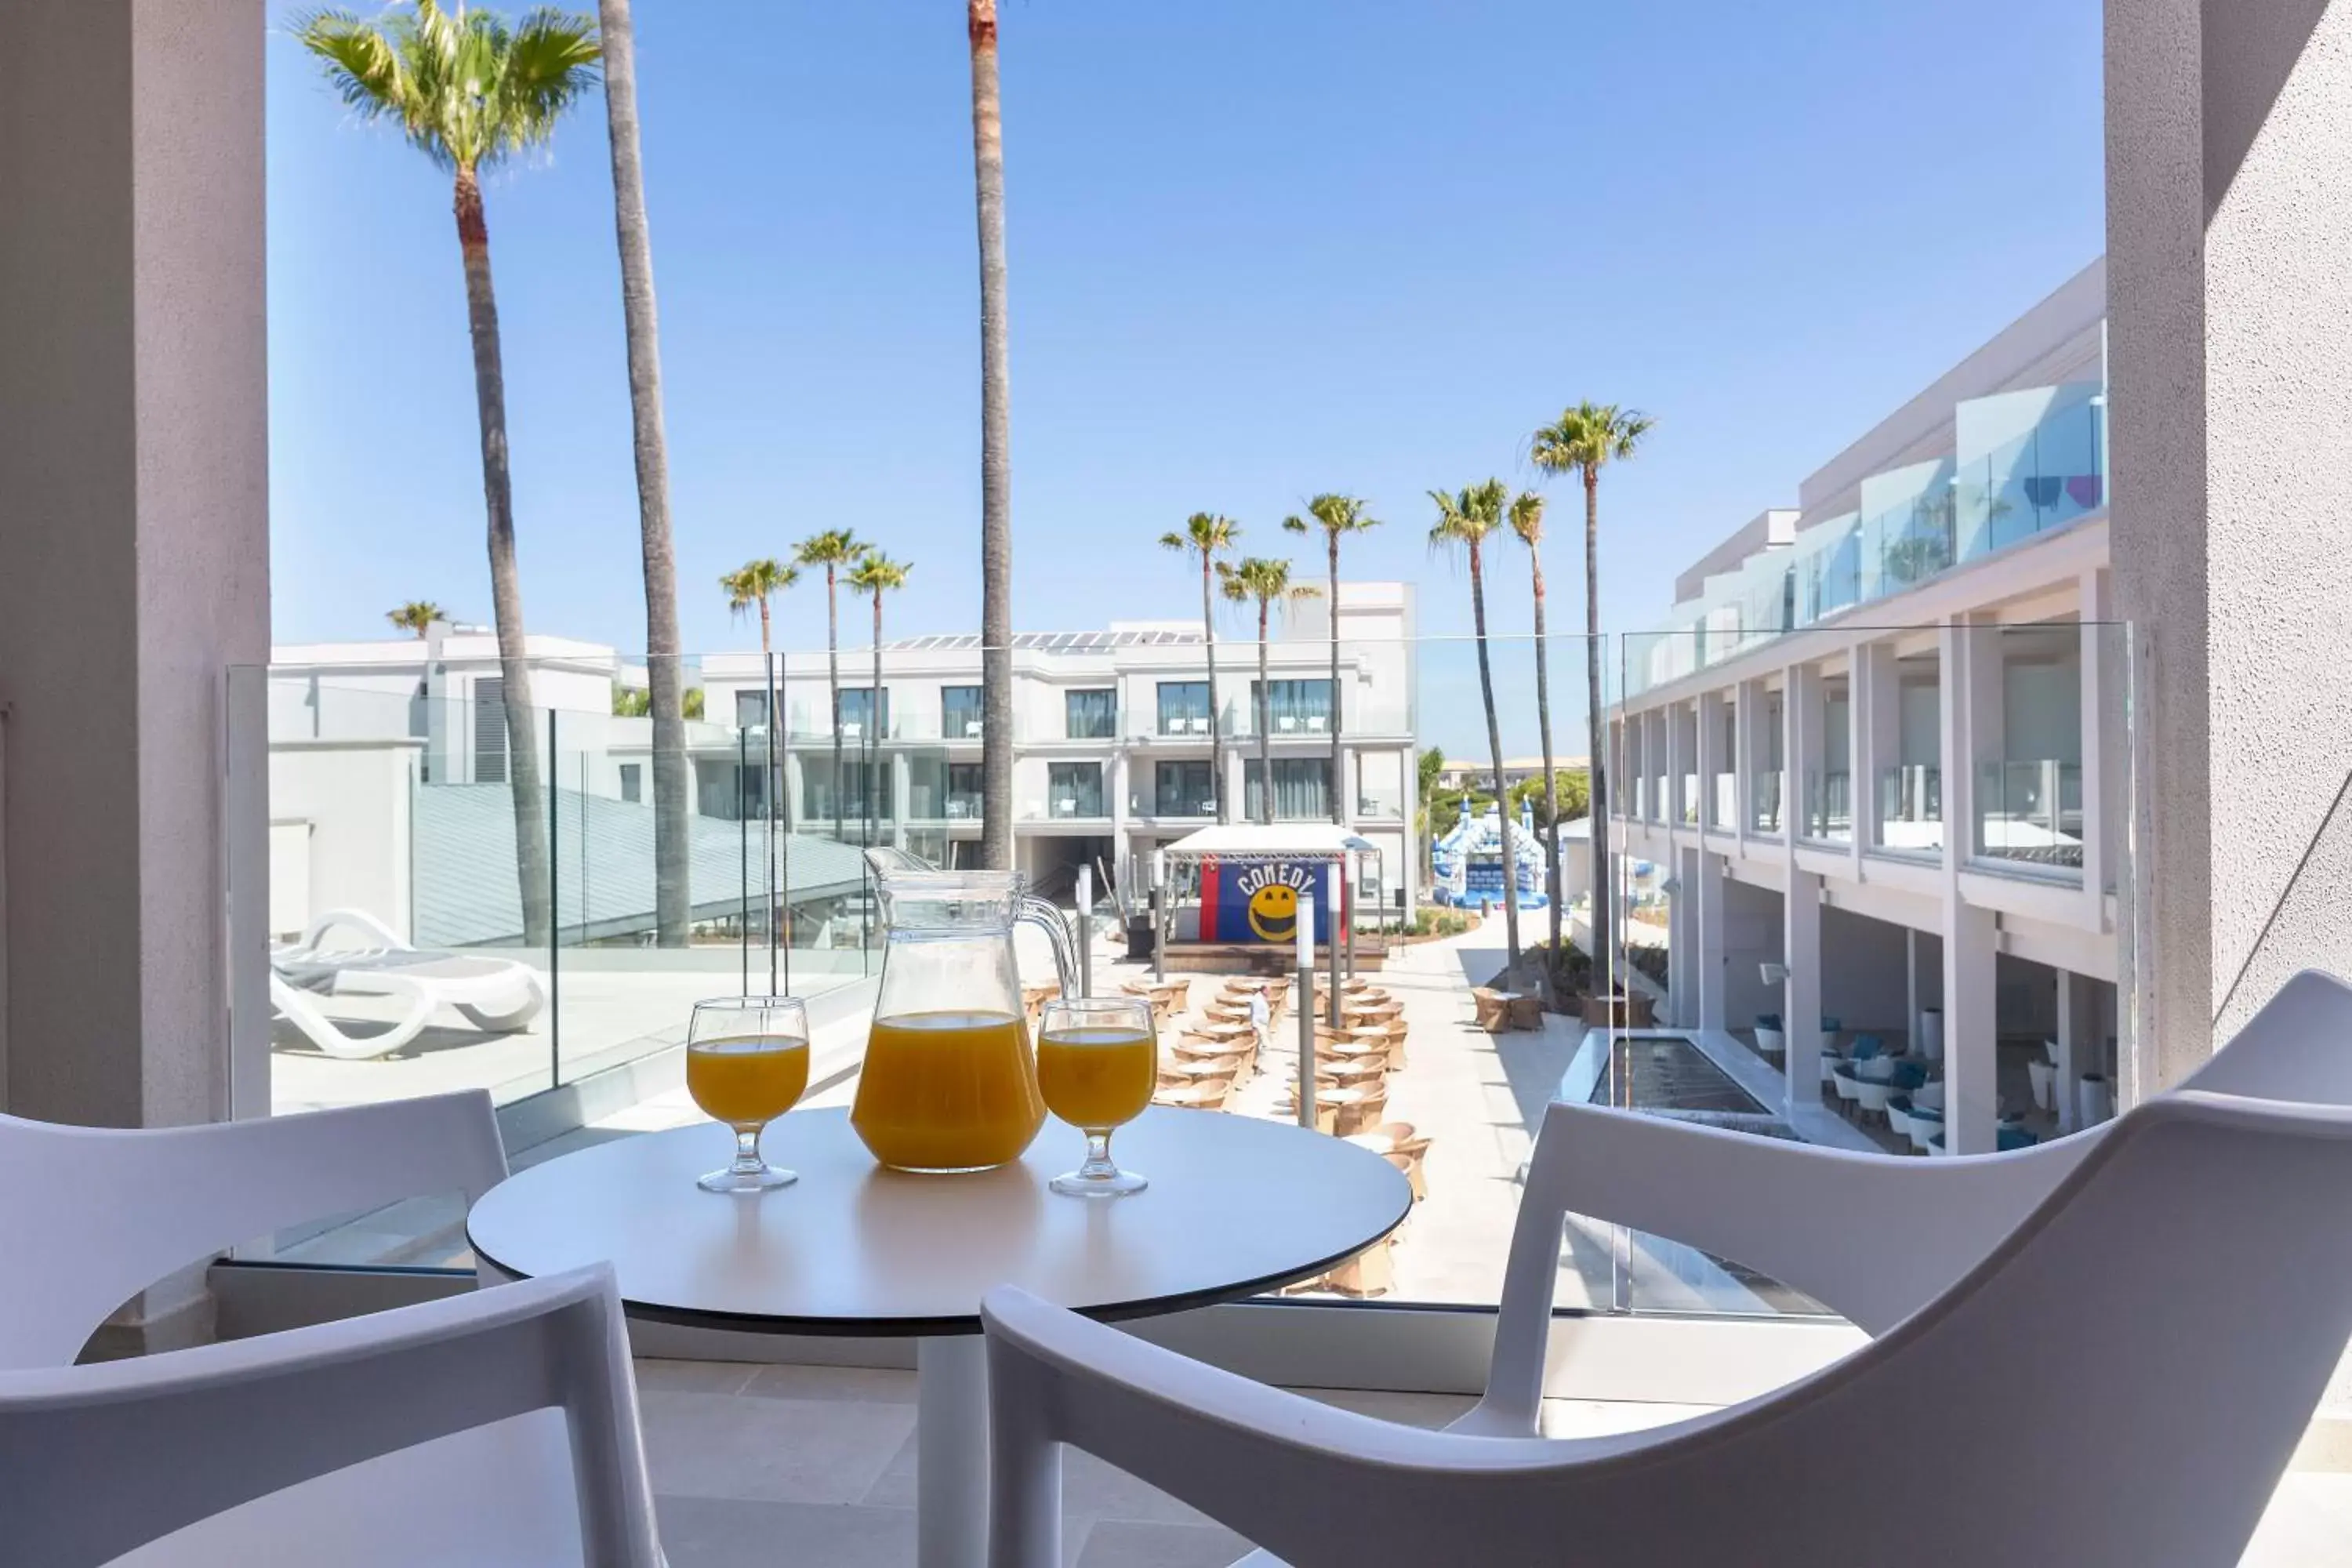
[[384, 753], [1881, 741], [1111, 754]]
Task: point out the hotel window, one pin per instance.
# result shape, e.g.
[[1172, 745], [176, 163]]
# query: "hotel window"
[[1183, 789], [959, 710], [857, 708], [1093, 714], [963, 788], [1074, 789], [1183, 706], [1302, 789], [819, 805], [632, 782], [1296, 706]]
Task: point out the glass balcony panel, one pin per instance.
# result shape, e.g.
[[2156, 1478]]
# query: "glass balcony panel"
[[1764, 792], [1911, 808], [1829, 812]]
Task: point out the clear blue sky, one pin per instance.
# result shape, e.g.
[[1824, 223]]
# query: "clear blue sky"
[[1257, 250]]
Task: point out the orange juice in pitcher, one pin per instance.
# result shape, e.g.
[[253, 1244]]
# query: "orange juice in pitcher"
[[950, 1082]]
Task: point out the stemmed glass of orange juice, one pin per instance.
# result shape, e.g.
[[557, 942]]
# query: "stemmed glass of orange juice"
[[747, 1063], [1098, 1058]]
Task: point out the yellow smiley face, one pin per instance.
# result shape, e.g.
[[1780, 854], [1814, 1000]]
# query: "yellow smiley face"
[[1274, 913]]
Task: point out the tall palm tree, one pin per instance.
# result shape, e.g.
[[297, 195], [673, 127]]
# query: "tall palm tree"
[[1337, 516], [416, 615], [1584, 440], [1526, 521], [834, 550], [1209, 536], [995, 448], [753, 584], [1466, 520], [875, 574], [469, 91], [665, 681], [1269, 584]]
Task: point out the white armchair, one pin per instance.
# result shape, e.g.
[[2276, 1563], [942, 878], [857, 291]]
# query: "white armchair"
[[2074, 1262], [484, 1431], [2195, 1210], [90, 1217]]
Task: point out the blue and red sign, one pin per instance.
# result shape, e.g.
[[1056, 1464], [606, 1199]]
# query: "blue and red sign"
[[1257, 901]]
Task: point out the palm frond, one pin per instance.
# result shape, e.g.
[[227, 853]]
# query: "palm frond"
[[877, 574], [546, 66], [1527, 517], [467, 88], [834, 547]]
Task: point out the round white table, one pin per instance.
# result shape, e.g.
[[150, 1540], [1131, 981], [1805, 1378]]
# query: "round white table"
[[1237, 1206]]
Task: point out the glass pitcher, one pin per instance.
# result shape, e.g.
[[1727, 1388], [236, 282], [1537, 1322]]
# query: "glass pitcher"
[[950, 1082]]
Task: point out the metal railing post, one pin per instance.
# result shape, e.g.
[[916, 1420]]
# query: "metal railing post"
[[1086, 934], [1307, 1013]]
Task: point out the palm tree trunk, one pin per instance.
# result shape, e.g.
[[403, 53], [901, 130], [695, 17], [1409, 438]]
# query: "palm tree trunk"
[[523, 781], [1495, 747], [1264, 723], [832, 690], [1216, 725], [673, 897], [1595, 729], [1338, 770], [995, 448], [1558, 965]]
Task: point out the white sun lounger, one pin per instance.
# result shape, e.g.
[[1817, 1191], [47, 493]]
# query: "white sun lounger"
[[500, 995]]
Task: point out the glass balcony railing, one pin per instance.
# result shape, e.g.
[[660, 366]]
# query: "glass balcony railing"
[[1912, 525], [2044, 479], [1689, 811], [1911, 808], [1723, 810], [1203, 804], [1829, 806], [2030, 811], [1764, 791]]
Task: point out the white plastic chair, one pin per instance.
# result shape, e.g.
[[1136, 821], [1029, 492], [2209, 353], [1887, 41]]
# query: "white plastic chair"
[[495, 1428], [1791, 1210], [91, 1215], [2119, 1309]]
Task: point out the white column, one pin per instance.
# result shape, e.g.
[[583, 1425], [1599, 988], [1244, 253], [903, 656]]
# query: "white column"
[[1971, 1041], [2230, 245], [134, 478], [1712, 968], [1117, 782], [2098, 648], [2071, 1041], [1710, 760], [1801, 922], [902, 793], [1885, 729], [1801, 703], [1748, 754], [1681, 981], [1801, 1013]]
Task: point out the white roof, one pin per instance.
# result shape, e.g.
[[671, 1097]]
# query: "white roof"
[[1300, 840]]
